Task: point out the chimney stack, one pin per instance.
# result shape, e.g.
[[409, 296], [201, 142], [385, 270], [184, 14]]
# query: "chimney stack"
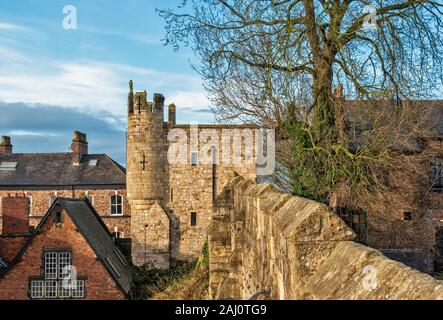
[[6, 146], [79, 147], [171, 114], [15, 214]]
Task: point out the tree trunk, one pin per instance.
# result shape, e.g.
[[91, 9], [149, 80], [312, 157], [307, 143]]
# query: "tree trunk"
[[324, 119]]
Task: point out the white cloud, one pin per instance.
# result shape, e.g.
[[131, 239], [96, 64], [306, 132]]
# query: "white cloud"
[[91, 86], [33, 133], [11, 27]]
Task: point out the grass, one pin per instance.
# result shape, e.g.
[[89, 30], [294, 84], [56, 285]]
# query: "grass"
[[186, 281]]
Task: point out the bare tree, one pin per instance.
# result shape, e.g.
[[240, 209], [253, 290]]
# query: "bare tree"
[[282, 64]]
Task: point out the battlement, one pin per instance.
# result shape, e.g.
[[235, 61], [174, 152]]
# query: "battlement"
[[139, 103]]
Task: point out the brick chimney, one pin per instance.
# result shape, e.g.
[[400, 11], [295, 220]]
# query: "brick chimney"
[[79, 147], [15, 231], [15, 214], [6, 146]]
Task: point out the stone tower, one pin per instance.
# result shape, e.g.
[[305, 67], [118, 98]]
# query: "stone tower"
[[146, 163]]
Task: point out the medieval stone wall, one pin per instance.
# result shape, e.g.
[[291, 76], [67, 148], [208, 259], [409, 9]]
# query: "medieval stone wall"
[[190, 189], [268, 245]]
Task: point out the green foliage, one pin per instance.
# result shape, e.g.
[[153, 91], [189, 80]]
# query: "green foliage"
[[321, 163], [148, 281], [203, 262]]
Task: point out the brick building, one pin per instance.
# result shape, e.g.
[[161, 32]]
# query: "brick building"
[[43, 177], [69, 255]]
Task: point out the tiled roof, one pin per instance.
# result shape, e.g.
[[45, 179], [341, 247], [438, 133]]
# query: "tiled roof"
[[57, 169]]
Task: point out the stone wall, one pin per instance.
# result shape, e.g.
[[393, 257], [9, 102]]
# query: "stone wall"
[[268, 245], [190, 189], [179, 189]]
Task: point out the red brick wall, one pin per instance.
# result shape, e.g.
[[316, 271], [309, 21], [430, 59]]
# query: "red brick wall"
[[101, 201], [10, 246], [99, 284], [15, 208]]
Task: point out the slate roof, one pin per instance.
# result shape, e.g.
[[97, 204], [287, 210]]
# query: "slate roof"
[[57, 169], [95, 233]]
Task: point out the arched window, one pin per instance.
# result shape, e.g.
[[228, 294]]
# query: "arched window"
[[117, 205]]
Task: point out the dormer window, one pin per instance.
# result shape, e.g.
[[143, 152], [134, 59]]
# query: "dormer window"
[[58, 219], [8, 165]]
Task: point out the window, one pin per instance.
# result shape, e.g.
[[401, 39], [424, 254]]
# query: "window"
[[51, 265], [53, 285], [93, 162], [407, 215], [193, 218], [79, 290], [437, 174], [8, 165], [194, 158], [172, 195], [116, 204], [58, 218], [37, 287]]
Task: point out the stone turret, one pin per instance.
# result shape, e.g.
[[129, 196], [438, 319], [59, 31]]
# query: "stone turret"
[[145, 174]]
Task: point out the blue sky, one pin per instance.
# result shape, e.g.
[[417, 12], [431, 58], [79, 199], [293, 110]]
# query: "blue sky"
[[54, 81]]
